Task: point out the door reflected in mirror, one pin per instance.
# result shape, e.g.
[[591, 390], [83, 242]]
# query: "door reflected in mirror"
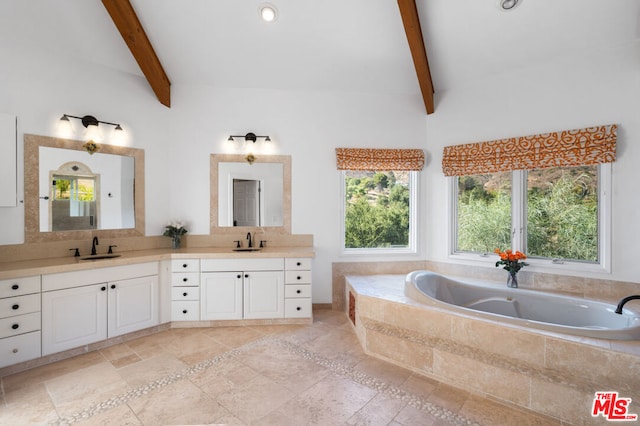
[[250, 195]]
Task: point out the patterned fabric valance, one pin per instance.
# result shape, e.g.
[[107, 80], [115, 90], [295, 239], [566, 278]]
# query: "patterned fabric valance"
[[379, 159], [579, 147]]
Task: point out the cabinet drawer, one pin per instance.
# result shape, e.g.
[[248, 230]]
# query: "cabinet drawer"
[[294, 277], [297, 263], [185, 265], [20, 324], [293, 291], [64, 280], [185, 279], [19, 348], [297, 308], [225, 265], [19, 286], [12, 306], [185, 311], [185, 293]]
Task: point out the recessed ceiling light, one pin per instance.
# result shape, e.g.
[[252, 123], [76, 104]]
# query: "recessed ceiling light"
[[508, 4], [268, 12]]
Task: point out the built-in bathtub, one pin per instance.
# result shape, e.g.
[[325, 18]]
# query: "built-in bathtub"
[[527, 308], [548, 372]]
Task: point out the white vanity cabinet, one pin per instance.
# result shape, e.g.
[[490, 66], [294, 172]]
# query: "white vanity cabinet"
[[242, 288], [79, 308], [19, 320], [185, 289], [297, 303]]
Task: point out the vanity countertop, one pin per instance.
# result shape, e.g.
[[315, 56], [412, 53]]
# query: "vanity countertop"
[[9, 270]]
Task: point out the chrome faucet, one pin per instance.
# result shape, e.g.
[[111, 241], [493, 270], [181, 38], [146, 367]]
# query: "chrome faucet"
[[93, 246], [625, 300], [249, 238]]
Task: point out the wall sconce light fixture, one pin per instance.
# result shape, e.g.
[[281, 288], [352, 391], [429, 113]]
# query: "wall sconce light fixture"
[[249, 137], [92, 132]]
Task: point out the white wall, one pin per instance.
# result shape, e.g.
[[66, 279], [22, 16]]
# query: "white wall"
[[177, 141], [568, 93]]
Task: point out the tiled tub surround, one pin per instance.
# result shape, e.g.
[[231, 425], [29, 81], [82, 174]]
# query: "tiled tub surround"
[[549, 373], [588, 287]]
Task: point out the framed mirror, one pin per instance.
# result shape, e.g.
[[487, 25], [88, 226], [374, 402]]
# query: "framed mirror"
[[246, 196], [70, 194]]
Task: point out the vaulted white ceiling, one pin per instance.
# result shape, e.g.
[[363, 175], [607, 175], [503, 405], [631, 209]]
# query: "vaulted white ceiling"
[[336, 45]]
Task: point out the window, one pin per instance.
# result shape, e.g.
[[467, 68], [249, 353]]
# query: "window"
[[557, 213], [547, 195], [379, 210]]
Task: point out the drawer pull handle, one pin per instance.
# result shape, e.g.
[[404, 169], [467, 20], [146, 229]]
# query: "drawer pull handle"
[[184, 311], [15, 351], [15, 326], [298, 308], [15, 287], [15, 307], [184, 265], [299, 277], [185, 294], [298, 291], [298, 263], [184, 280]]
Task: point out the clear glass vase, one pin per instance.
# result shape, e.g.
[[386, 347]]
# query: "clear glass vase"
[[512, 280], [175, 242]]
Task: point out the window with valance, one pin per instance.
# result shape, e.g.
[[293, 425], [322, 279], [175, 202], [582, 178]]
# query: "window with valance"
[[547, 195], [379, 188]]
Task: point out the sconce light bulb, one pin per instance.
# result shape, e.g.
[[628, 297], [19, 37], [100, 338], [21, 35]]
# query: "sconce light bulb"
[[65, 128]]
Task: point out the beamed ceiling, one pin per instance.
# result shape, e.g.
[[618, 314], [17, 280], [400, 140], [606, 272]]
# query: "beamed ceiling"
[[420, 47]]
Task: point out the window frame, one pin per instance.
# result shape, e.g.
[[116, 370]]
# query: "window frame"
[[518, 220], [412, 247]]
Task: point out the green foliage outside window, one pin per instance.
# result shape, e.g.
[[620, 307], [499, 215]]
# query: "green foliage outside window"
[[376, 210], [562, 213]]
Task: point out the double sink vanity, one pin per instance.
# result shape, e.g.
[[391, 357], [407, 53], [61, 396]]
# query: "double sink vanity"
[[55, 305], [71, 305]]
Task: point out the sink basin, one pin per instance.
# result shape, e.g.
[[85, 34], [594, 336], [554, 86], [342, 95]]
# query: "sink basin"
[[247, 249], [100, 256]]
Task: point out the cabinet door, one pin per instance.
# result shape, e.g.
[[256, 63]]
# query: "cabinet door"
[[133, 305], [264, 294], [221, 295], [73, 317]]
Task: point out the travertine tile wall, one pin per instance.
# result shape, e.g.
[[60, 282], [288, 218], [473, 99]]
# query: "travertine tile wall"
[[547, 374]]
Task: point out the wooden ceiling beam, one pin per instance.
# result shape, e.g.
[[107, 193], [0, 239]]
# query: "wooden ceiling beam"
[[411, 22], [127, 22]]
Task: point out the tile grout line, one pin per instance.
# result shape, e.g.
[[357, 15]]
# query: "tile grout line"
[[349, 372], [156, 384], [377, 384]]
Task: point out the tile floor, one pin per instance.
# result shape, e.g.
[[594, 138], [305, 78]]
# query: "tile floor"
[[254, 375]]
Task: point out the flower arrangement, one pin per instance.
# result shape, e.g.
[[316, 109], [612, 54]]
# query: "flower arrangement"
[[511, 261], [174, 229]]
